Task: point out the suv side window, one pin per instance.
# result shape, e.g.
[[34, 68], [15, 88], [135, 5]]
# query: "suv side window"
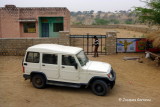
[[33, 57], [49, 58], [68, 60]]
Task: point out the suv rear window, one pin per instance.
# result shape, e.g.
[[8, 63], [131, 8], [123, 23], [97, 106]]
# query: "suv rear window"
[[32, 57], [49, 58]]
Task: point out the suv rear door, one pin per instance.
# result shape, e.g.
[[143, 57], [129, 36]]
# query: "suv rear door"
[[49, 65]]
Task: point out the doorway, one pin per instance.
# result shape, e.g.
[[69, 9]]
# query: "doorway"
[[45, 29]]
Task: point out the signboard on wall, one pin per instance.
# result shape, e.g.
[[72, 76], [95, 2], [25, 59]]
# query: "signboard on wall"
[[133, 45], [126, 45], [31, 30], [140, 45]]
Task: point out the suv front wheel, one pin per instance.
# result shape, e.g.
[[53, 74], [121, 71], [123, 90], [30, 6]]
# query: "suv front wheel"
[[38, 81], [99, 88]]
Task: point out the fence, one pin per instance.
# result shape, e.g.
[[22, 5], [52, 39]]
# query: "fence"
[[86, 42], [107, 45], [19, 46]]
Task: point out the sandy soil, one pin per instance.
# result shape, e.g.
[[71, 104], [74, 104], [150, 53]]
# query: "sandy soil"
[[134, 80], [100, 31]]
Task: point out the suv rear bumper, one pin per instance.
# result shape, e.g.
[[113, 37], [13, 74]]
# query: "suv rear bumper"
[[26, 76]]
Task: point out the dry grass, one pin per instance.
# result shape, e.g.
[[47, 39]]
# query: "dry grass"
[[155, 37], [102, 31]]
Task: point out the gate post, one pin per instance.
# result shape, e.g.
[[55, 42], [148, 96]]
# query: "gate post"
[[111, 42]]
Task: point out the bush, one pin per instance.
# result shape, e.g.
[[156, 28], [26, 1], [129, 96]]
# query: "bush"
[[129, 21], [101, 22]]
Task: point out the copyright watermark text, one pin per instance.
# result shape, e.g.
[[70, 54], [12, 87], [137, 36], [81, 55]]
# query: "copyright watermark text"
[[134, 100]]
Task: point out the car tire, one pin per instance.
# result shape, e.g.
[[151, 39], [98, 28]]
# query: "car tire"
[[38, 81], [99, 88]]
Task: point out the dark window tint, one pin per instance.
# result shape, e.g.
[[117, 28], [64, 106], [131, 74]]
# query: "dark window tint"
[[57, 27], [29, 27], [32, 57], [68, 60], [49, 59]]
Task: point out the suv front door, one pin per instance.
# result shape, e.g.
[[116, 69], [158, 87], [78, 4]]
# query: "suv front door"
[[69, 68]]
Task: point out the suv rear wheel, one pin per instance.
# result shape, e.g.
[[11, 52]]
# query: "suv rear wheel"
[[99, 88], [38, 81]]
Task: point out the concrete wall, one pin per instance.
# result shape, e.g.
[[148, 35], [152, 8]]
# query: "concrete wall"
[[18, 46], [95, 26]]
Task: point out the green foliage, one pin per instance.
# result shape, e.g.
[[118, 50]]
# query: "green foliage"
[[143, 36], [129, 21], [78, 23], [104, 48], [101, 22], [114, 21], [151, 13]]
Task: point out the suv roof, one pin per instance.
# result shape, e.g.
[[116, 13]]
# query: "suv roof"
[[54, 48]]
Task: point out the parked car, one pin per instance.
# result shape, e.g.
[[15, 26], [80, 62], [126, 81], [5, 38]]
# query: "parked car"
[[66, 66]]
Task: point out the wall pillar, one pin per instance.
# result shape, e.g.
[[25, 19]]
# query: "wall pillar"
[[111, 42]]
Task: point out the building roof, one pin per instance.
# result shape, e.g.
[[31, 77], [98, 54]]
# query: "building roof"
[[42, 8], [54, 48]]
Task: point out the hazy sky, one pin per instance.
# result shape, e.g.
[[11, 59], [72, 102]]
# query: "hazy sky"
[[76, 5]]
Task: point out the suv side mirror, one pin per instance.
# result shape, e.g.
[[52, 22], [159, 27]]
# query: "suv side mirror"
[[76, 65]]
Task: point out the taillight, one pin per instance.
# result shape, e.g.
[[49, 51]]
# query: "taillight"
[[23, 68]]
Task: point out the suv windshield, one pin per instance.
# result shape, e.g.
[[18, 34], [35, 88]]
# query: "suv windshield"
[[82, 58]]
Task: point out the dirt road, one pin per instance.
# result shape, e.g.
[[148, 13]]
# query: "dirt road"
[[135, 82]]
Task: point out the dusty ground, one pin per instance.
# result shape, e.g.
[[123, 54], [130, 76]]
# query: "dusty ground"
[[100, 31], [134, 80]]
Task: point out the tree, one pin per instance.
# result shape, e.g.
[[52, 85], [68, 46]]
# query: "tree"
[[91, 12], [149, 14]]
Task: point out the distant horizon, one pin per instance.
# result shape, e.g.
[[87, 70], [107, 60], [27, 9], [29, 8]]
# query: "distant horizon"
[[78, 5]]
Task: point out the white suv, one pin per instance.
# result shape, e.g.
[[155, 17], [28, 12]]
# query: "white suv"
[[66, 66]]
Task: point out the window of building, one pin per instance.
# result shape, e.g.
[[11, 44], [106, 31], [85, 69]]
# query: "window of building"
[[57, 27], [32, 57], [68, 60], [29, 27], [49, 59]]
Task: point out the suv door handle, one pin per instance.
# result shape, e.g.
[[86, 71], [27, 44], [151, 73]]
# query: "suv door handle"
[[43, 65], [25, 64], [63, 66]]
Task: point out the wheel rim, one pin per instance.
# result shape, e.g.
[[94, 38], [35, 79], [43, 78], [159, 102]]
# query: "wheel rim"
[[99, 88], [38, 81]]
